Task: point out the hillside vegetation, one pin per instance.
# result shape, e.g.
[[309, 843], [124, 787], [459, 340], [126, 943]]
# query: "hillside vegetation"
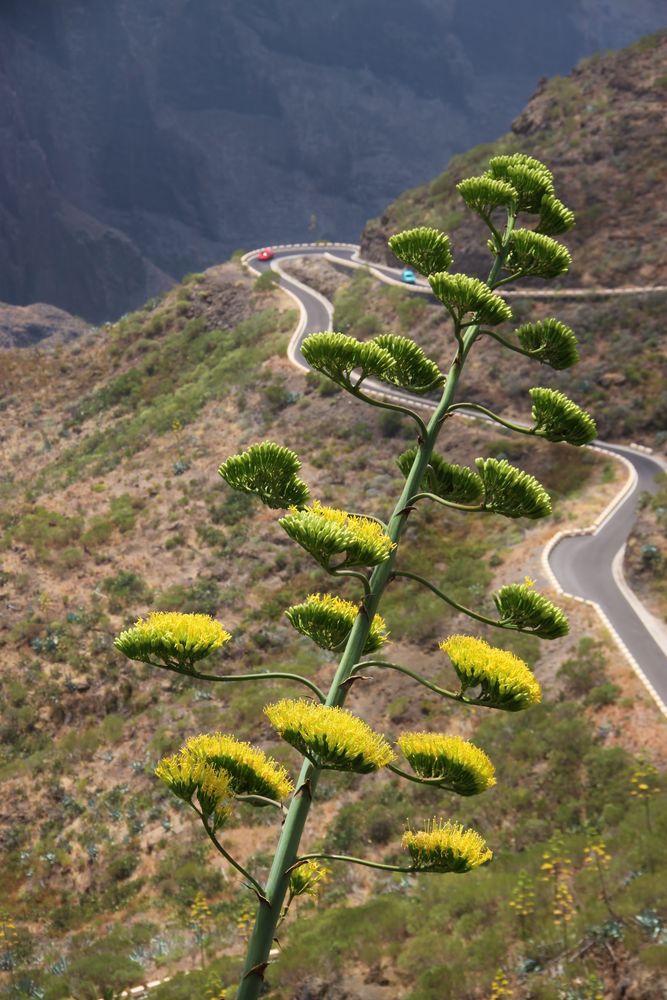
[[112, 505]]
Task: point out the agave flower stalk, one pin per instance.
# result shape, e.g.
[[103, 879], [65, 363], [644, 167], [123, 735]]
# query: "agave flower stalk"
[[213, 772]]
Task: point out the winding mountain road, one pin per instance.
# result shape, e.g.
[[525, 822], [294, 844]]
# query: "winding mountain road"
[[585, 564]]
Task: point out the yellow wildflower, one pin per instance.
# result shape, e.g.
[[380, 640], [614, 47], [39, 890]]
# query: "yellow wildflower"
[[506, 682], [331, 738], [461, 765], [446, 847]]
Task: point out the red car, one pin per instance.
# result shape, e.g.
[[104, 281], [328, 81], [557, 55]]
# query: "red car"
[[265, 254]]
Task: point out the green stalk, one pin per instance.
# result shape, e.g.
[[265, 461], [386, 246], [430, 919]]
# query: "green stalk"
[[277, 885], [288, 845]]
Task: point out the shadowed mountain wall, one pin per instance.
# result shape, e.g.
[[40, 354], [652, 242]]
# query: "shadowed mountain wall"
[[141, 141]]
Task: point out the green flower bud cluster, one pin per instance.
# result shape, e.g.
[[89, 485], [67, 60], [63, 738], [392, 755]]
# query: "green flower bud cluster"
[[520, 606], [328, 621], [446, 480], [326, 532], [337, 356], [412, 369], [462, 296], [424, 249], [530, 178], [533, 254], [511, 492], [557, 418], [268, 471], [395, 360], [484, 194], [549, 341]]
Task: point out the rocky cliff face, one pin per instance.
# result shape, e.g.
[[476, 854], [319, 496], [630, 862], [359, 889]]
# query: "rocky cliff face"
[[140, 141]]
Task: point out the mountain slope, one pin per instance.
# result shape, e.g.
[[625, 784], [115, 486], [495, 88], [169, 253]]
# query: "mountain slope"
[[112, 505], [142, 141], [602, 132]]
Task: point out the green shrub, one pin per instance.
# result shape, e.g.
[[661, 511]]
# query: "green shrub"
[[202, 597], [125, 589], [266, 281]]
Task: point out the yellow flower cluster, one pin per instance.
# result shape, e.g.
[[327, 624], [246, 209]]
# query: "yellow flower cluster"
[[554, 866], [331, 738], [500, 986], [505, 681], [523, 897], [326, 532], [645, 782], [327, 620], [446, 847], [308, 879], [596, 854], [250, 770], [178, 640], [8, 933], [462, 766], [558, 870], [200, 913], [245, 921], [186, 775], [563, 906]]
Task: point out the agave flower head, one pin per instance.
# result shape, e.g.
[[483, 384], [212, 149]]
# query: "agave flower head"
[[511, 492], [412, 369], [549, 341], [484, 194], [331, 738], [504, 680], [337, 356], [186, 776], [173, 639], [532, 253], [531, 179], [426, 250], [450, 482], [443, 846], [462, 295], [326, 532], [520, 606], [308, 879], [268, 471], [461, 766], [250, 770], [557, 418], [328, 620]]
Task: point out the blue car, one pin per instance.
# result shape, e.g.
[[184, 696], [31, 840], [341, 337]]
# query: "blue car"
[[408, 276]]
